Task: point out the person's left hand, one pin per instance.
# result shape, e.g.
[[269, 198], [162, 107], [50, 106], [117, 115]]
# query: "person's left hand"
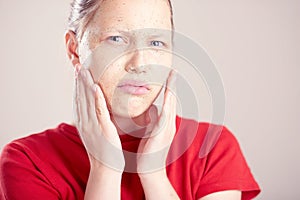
[[153, 149]]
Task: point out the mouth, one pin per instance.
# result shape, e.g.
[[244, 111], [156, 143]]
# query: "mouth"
[[134, 87]]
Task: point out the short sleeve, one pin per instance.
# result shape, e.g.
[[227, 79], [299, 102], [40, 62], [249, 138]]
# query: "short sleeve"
[[20, 178], [226, 169]]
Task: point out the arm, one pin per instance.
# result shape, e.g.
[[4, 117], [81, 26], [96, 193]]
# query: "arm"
[[103, 183], [224, 195], [157, 186], [154, 149], [100, 139], [226, 157]]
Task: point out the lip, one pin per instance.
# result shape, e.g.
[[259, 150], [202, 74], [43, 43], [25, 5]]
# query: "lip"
[[134, 87]]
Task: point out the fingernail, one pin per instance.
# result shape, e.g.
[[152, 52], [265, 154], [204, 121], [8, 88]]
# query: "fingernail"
[[82, 74], [95, 88], [77, 68], [173, 80], [174, 75]]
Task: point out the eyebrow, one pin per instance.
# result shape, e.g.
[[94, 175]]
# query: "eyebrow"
[[153, 35], [161, 35]]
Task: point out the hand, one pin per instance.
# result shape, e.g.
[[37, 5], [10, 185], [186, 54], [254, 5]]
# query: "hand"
[[153, 150], [92, 119]]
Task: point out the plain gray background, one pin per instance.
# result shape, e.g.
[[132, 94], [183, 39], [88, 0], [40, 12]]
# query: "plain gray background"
[[254, 44]]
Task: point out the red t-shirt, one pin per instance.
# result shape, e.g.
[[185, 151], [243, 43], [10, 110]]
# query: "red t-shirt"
[[54, 165]]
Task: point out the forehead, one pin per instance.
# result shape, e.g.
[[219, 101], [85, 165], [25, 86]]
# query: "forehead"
[[131, 15]]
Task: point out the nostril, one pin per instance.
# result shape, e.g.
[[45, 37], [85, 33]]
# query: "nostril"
[[135, 69]]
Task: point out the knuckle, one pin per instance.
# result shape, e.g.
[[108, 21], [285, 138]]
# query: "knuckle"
[[98, 111], [84, 130]]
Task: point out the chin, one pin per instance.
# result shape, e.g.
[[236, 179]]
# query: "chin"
[[128, 106], [131, 112], [131, 109]]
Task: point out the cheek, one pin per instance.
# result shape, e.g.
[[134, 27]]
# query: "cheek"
[[108, 82], [101, 64], [106, 72], [161, 64], [132, 106], [160, 57], [108, 75]]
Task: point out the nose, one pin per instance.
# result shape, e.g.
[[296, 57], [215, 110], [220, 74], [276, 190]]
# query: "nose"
[[136, 62]]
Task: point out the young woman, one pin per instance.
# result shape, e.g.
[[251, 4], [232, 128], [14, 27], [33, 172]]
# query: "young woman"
[[121, 147]]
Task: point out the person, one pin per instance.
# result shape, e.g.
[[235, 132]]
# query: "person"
[[121, 146]]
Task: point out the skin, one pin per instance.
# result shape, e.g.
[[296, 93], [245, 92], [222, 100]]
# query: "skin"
[[113, 16], [102, 110]]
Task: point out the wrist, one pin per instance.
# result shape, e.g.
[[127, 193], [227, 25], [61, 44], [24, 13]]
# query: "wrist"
[[159, 182], [98, 168], [96, 165], [104, 169], [102, 180], [153, 176]]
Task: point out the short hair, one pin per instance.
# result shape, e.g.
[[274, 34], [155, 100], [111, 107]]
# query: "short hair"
[[82, 11]]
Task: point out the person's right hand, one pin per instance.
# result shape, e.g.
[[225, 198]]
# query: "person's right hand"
[[92, 119]]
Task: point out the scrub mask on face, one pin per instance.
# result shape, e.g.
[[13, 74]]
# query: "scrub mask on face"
[[199, 89]]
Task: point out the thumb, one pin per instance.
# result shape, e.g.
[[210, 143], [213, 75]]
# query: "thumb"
[[151, 117], [152, 114]]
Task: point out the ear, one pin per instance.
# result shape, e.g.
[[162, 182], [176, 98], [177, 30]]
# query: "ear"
[[72, 47]]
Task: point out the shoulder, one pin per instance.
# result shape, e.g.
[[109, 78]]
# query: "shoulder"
[[45, 138], [39, 146], [205, 136], [43, 163], [218, 161], [40, 160]]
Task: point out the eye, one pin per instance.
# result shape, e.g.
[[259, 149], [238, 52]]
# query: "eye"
[[116, 39], [157, 43]]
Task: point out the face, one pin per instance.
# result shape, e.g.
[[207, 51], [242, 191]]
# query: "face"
[[126, 46]]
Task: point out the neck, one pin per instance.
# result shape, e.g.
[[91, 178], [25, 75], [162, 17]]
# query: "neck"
[[127, 125]]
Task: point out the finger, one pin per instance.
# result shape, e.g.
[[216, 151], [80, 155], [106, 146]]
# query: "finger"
[[171, 81], [151, 119], [169, 104], [89, 94], [77, 68], [152, 114], [76, 110], [102, 112], [81, 98], [75, 102]]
